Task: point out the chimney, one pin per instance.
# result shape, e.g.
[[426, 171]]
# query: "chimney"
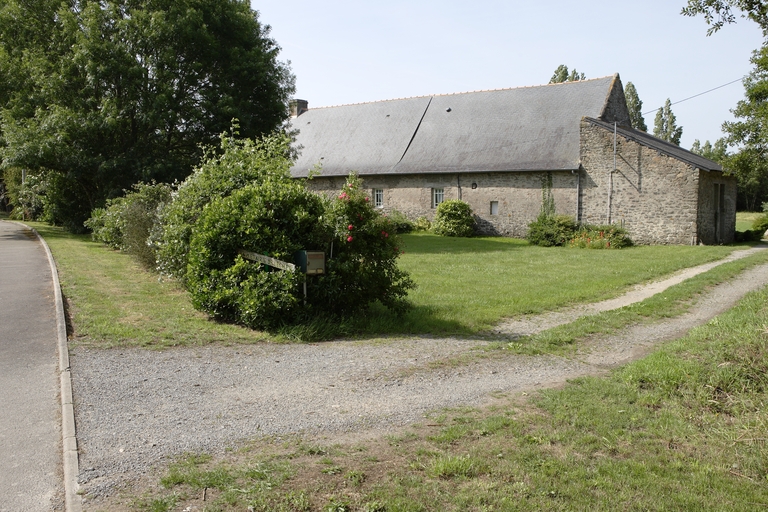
[[298, 107]]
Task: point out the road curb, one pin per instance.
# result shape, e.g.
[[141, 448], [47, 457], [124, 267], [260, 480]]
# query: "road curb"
[[73, 501]]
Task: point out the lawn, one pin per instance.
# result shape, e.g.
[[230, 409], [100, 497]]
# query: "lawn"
[[465, 286], [744, 220]]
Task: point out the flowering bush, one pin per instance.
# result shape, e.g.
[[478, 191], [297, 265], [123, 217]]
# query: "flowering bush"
[[454, 218], [601, 237], [362, 255]]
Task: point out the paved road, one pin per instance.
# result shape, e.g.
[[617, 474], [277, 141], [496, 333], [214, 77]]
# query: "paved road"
[[30, 434]]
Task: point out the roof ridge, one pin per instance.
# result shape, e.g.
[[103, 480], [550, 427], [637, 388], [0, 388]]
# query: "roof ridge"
[[465, 92]]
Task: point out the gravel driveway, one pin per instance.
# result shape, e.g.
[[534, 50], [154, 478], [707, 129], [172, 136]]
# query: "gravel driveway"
[[136, 407]]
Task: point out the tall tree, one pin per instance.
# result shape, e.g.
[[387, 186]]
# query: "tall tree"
[[635, 106], [717, 152], [665, 125], [718, 13], [749, 133], [119, 91], [562, 75]]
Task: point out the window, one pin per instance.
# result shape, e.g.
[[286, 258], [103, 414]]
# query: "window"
[[494, 207], [378, 198], [438, 195]]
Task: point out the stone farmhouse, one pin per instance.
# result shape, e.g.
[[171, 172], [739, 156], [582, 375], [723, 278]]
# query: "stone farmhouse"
[[502, 150]]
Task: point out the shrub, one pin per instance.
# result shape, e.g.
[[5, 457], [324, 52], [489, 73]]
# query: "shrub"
[[362, 267], [760, 224], [454, 218], [278, 216], [422, 224], [551, 230], [750, 235], [275, 218], [401, 223], [239, 163], [28, 199], [126, 222], [601, 237]]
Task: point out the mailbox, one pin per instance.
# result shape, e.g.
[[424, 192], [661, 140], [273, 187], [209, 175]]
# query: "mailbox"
[[310, 262]]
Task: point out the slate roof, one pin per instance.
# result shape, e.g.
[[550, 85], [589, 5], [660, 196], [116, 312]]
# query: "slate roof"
[[660, 145], [522, 129]]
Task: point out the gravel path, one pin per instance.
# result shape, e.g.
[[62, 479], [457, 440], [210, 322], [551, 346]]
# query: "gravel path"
[[136, 407]]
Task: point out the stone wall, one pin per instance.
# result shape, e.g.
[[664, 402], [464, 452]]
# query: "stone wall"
[[654, 196], [518, 194]]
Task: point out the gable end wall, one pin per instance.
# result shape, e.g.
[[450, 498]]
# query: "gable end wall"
[[655, 197]]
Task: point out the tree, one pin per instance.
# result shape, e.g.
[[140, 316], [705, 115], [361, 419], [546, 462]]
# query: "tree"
[[106, 93], [717, 13], [717, 153], [665, 125], [749, 133], [635, 106], [561, 75]]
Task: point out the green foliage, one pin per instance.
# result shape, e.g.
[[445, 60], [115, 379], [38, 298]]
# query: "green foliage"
[[749, 134], [551, 230], [635, 107], [665, 125], [718, 13], [278, 216], [561, 75], [401, 223], [237, 164], [107, 94], [757, 233], [126, 222], [601, 237], [363, 267], [454, 218], [422, 224], [28, 198]]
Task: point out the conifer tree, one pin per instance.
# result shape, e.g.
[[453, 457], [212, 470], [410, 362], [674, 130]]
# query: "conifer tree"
[[665, 125], [635, 106]]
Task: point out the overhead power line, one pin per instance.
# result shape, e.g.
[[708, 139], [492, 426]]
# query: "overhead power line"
[[697, 95]]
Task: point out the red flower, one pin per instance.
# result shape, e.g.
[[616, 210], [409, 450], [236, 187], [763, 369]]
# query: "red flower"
[[385, 234], [349, 239], [367, 199], [350, 227]]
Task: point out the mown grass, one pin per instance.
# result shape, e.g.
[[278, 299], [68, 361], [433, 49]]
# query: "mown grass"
[[683, 429], [465, 286], [744, 220], [112, 301]]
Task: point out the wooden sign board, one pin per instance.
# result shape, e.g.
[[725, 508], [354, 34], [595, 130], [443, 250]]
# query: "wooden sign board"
[[266, 260]]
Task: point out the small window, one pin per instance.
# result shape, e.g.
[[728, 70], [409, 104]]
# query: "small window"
[[438, 195], [494, 207], [378, 198]]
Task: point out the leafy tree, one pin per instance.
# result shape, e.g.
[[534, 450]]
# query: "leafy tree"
[[635, 106], [106, 93], [749, 134], [562, 75], [717, 13], [665, 125]]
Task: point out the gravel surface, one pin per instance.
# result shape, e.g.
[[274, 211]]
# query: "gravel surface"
[[135, 407]]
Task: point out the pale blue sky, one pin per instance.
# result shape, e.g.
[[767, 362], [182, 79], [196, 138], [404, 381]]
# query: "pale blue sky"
[[356, 51]]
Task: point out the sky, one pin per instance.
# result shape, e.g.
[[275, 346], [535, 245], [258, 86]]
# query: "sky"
[[344, 52]]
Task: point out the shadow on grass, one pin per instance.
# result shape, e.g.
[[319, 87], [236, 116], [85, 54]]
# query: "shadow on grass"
[[375, 322], [426, 243]]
